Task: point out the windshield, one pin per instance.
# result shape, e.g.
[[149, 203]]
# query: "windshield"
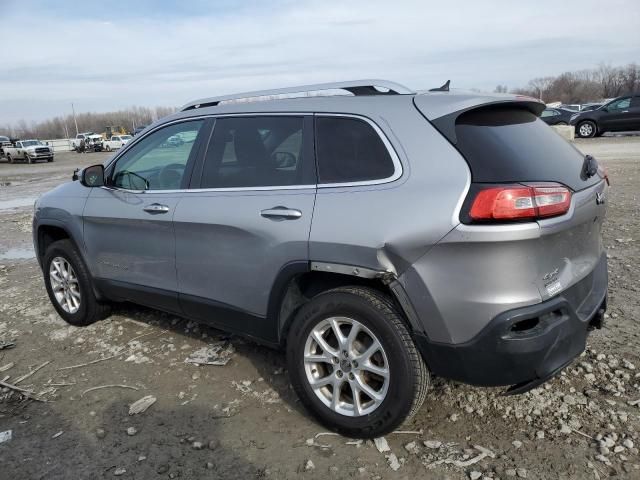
[[31, 143], [125, 137]]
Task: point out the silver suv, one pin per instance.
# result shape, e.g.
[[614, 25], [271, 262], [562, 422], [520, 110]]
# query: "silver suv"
[[378, 237]]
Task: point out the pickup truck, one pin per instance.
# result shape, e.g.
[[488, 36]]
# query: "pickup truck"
[[29, 151], [116, 142]]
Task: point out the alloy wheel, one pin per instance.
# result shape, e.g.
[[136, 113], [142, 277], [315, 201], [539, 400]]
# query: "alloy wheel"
[[346, 366], [586, 129], [64, 284]]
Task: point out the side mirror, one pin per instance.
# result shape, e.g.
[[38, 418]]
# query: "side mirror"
[[92, 176]]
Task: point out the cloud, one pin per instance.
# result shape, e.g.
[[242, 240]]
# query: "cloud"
[[166, 53]]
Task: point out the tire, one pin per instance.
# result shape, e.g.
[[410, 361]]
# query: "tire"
[[28, 159], [9, 159], [108, 148], [586, 129], [88, 310], [399, 395], [50, 159]]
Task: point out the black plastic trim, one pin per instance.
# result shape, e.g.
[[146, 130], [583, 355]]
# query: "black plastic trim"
[[501, 355]]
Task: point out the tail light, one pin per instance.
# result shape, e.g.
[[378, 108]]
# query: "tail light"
[[520, 202]]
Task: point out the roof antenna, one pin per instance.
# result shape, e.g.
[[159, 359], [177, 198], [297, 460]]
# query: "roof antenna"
[[443, 88]]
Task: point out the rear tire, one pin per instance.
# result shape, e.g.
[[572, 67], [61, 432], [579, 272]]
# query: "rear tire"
[[586, 129], [69, 285], [378, 387]]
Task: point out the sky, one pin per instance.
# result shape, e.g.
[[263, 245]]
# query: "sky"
[[107, 55]]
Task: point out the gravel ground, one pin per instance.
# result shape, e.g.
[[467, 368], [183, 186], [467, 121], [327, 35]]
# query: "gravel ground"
[[242, 420]]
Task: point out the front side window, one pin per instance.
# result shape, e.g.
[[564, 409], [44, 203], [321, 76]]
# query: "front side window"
[[155, 163], [263, 151], [621, 104], [350, 150]]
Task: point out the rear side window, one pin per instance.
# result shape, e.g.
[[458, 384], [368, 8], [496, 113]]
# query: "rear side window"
[[264, 151], [514, 145], [350, 150]]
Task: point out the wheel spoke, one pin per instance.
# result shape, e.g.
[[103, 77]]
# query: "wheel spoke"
[[335, 326], [353, 333], [313, 358], [380, 371], [335, 398], [55, 276], [357, 402], [322, 382], [323, 343]]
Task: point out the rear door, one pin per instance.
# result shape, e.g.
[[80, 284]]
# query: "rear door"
[[245, 220], [128, 224]]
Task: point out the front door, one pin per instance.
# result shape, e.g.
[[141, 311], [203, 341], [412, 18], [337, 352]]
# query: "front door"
[[128, 224], [617, 116], [247, 219]]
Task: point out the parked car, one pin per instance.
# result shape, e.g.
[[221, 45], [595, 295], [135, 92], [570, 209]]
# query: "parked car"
[[619, 115], [4, 142], [116, 142], [556, 116], [482, 263], [29, 151]]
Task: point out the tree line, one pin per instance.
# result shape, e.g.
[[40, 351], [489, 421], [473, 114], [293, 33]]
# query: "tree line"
[[583, 86], [65, 126]]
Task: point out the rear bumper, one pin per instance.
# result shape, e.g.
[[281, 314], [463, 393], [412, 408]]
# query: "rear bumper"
[[525, 346]]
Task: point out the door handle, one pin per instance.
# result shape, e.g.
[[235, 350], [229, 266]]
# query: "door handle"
[[156, 208], [281, 213]]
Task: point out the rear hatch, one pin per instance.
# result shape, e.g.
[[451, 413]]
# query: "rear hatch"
[[506, 144]]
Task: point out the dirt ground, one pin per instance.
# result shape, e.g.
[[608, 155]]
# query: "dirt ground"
[[242, 420]]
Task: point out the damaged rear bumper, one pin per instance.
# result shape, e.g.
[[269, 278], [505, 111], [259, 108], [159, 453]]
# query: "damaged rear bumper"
[[525, 346]]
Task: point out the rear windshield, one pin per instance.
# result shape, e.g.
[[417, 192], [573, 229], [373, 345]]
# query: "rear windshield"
[[514, 145]]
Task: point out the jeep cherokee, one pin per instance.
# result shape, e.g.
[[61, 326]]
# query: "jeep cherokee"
[[379, 236]]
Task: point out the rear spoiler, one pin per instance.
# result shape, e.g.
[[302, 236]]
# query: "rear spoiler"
[[443, 114]]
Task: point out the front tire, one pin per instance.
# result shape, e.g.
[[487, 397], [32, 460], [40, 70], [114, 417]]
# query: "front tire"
[[353, 363], [9, 159], [69, 285], [586, 129], [108, 148]]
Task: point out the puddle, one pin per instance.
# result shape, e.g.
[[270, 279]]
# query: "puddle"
[[17, 202], [18, 254]]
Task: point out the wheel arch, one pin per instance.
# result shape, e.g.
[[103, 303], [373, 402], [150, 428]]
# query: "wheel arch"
[[297, 283]]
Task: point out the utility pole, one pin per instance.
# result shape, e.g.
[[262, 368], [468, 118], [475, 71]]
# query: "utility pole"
[[74, 118]]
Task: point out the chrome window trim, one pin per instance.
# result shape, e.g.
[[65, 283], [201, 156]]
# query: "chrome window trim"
[[397, 164]]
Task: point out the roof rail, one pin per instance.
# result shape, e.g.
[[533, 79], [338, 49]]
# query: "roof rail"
[[356, 87]]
